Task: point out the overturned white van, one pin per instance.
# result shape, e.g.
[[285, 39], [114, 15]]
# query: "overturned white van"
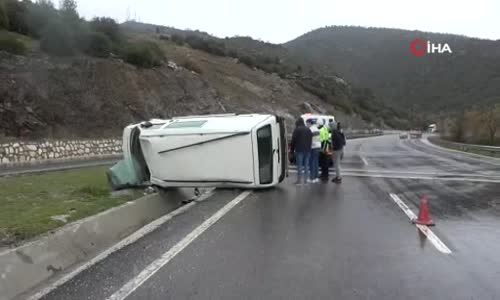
[[229, 150]]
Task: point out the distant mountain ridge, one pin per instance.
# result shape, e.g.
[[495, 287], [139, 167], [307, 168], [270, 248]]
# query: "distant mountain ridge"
[[381, 60]]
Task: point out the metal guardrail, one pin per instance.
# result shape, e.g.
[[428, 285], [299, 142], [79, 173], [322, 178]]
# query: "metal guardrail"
[[351, 136], [492, 150]]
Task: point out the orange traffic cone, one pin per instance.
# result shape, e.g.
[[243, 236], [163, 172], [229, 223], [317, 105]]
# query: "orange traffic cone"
[[423, 214]]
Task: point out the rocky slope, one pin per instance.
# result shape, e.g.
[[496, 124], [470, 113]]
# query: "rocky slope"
[[42, 96]]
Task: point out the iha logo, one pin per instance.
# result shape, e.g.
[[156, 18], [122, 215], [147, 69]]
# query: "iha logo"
[[419, 48]]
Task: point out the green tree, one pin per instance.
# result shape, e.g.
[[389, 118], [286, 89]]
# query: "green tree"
[[69, 8], [4, 19], [40, 14], [17, 14], [69, 14], [458, 127], [491, 117]]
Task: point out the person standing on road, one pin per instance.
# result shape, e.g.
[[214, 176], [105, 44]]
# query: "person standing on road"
[[324, 158], [331, 125], [315, 148], [338, 143], [301, 146]]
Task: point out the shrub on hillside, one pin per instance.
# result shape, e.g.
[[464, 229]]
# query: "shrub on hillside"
[[164, 37], [107, 26], [232, 53], [146, 55], [192, 66], [206, 45], [247, 60], [57, 40], [217, 48], [12, 45], [178, 39], [97, 44], [264, 60]]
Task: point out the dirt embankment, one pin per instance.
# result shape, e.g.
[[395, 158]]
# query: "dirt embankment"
[[42, 96]]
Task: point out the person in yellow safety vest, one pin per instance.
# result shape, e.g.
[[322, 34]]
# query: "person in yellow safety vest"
[[324, 157]]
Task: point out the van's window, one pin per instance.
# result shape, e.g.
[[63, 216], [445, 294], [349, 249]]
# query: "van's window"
[[265, 150], [156, 126], [186, 124]]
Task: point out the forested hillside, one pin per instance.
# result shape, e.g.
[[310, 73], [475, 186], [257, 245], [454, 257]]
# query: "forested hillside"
[[380, 59]]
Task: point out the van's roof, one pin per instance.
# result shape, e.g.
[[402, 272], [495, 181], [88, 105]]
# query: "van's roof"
[[317, 117], [209, 123]]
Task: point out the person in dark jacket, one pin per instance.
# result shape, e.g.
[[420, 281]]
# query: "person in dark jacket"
[[301, 146], [338, 143]]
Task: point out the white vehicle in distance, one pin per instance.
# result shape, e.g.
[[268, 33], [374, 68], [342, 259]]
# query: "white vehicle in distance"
[[416, 134], [432, 128], [230, 150], [327, 119]]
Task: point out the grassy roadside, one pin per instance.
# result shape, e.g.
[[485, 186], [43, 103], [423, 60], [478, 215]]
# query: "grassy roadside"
[[445, 144], [28, 204]]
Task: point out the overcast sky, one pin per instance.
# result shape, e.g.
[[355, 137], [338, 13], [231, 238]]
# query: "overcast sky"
[[279, 21]]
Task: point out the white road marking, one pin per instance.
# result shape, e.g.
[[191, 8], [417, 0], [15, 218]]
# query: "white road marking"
[[488, 179], [418, 173], [433, 174], [411, 215], [156, 265], [440, 246], [364, 161], [125, 242]]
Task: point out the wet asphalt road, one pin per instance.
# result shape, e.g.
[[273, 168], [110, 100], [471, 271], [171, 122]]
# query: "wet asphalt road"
[[327, 241]]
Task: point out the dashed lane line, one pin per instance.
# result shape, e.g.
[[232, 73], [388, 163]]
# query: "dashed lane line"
[[486, 179]]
